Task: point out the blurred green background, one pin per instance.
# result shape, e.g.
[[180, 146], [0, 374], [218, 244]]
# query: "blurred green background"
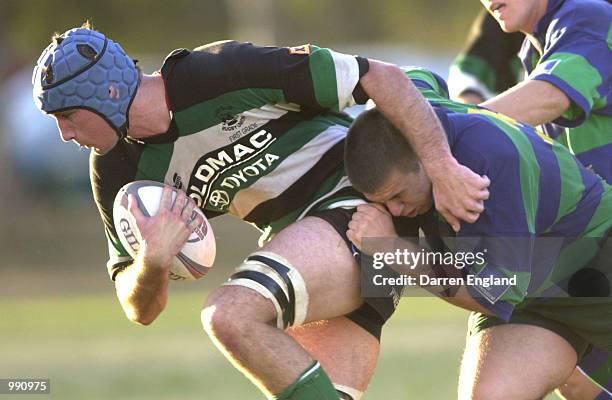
[[59, 317]]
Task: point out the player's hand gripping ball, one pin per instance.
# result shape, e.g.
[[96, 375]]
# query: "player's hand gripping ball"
[[197, 255]]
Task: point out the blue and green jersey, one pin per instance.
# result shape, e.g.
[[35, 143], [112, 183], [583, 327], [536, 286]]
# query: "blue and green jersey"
[[574, 53], [538, 190]]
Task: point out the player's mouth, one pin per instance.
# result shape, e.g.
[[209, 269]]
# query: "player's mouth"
[[410, 213], [497, 9]]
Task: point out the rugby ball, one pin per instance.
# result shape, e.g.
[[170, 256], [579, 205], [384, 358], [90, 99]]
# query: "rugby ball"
[[194, 259]]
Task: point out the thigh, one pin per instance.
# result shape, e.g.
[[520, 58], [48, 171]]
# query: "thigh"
[[330, 272], [514, 361]]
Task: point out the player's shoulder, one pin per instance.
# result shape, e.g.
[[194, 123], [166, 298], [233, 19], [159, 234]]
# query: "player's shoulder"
[[484, 130], [589, 16], [209, 53]]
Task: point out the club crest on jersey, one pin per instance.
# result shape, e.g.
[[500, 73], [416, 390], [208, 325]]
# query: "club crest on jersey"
[[303, 49], [230, 118]]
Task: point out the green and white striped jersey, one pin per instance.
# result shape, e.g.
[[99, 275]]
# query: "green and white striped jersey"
[[256, 132]]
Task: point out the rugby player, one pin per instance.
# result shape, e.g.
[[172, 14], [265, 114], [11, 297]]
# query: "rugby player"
[[256, 132], [567, 49], [567, 58], [522, 344]]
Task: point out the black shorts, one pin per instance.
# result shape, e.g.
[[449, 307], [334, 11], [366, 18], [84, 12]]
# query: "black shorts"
[[375, 311]]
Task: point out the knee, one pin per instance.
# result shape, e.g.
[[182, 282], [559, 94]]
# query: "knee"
[[578, 387], [569, 392], [225, 317]]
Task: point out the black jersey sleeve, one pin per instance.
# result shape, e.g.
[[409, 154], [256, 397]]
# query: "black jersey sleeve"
[[307, 75], [108, 173]]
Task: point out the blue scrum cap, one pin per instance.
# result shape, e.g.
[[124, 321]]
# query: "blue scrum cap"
[[83, 68]]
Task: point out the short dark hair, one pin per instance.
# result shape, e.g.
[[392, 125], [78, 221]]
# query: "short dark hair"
[[374, 148]]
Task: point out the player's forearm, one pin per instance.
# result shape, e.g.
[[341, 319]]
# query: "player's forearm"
[[397, 98], [142, 288], [534, 102]]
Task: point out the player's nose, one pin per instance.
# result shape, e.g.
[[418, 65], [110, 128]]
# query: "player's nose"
[[394, 207], [67, 133]]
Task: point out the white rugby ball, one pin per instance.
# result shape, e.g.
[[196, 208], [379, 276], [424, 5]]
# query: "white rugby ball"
[[194, 259]]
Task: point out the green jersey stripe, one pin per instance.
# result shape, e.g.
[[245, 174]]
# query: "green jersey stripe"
[[576, 69], [594, 132], [572, 183], [529, 168], [154, 162], [321, 64]]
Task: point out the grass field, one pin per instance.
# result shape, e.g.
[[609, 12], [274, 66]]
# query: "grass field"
[[89, 351]]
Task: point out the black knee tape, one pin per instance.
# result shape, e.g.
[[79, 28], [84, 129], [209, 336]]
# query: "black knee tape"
[[283, 272]]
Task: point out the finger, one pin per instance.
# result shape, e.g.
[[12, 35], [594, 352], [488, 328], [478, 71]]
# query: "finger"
[[166, 199], [353, 225], [352, 236], [452, 220], [179, 203], [135, 210], [471, 217], [485, 181], [477, 207], [357, 216], [194, 223], [483, 195], [189, 213]]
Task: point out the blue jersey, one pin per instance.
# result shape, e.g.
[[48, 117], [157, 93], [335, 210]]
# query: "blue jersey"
[[573, 51]]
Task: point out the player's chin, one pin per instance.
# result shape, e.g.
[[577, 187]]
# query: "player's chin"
[[507, 26]]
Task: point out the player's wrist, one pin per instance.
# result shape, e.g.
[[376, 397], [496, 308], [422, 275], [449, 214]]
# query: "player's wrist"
[[155, 257], [441, 168]]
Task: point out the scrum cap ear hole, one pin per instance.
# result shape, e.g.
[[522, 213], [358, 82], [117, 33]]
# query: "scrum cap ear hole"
[[48, 74], [87, 51]]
